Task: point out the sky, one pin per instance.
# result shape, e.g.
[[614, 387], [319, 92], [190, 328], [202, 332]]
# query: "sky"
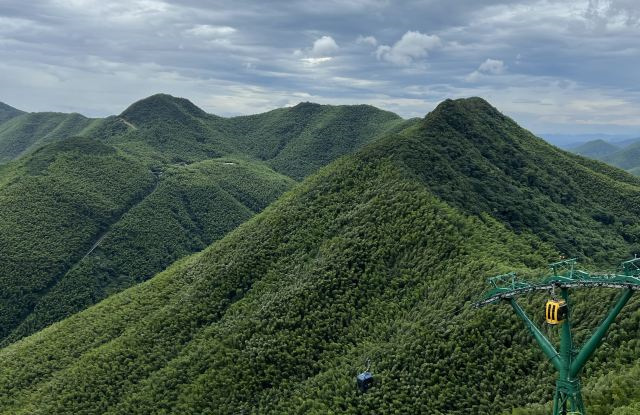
[[562, 67]]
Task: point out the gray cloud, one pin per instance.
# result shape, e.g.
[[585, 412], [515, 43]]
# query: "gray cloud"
[[578, 58]]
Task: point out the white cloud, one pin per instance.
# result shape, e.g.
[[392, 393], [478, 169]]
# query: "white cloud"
[[367, 40], [492, 66], [96, 56], [411, 47], [488, 67], [325, 46], [315, 61], [208, 31]]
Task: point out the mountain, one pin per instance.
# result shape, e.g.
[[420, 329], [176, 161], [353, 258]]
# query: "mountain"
[[627, 142], [184, 210], [166, 129], [376, 257], [570, 141], [293, 141], [627, 158], [7, 112], [163, 129], [52, 205], [29, 131], [193, 177], [596, 149], [624, 154], [299, 140]]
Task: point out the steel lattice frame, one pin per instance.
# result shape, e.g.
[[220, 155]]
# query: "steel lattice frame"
[[567, 361]]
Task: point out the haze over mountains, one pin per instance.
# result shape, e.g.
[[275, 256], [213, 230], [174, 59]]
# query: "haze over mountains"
[[376, 256]]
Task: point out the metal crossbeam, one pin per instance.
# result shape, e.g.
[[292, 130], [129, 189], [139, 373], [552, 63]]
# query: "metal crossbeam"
[[507, 286], [567, 360]]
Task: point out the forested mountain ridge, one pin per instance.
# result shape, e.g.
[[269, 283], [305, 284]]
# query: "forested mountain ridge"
[[52, 205], [26, 132], [625, 155], [596, 149], [299, 140], [191, 176], [487, 164], [627, 158], [184, 209], [379, 256], [7, 112], [294, 141]]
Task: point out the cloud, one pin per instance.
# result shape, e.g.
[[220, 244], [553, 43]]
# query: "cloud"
[[96, 57], [411, 47], [316, 61], [492, 66], [325, 46], [367, 40], [488, 67], [208, 31]]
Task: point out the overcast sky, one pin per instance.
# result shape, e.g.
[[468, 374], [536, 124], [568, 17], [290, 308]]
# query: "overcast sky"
[[554, 66]]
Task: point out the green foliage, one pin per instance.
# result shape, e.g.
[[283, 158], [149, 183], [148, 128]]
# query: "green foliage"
[[298, 141], [188, 208], [281, 314], [294, 141], [378, 256], [57, 200], [189, 201], [480, 161], [627, 158], [596, 149], [24, 133], [7, 112]]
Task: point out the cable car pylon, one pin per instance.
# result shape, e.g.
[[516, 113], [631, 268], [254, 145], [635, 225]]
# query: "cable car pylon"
[[567, 361]]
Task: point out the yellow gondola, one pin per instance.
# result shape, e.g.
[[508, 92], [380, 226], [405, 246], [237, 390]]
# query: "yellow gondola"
[[555, 311]]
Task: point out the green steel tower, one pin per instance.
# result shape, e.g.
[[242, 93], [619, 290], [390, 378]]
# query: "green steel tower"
[[567, 361]]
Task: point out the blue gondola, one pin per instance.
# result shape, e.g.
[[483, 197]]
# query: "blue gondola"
[[365, 381]]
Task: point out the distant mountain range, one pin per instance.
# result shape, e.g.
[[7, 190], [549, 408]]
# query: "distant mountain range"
[[569, 141], [378, 236], [624, 154]]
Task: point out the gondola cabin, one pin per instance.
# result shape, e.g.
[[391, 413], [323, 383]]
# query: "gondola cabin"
[[555, 311], [364, 381]]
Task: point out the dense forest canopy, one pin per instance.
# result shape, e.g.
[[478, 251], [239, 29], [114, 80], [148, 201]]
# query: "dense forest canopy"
[[378, 256], [90, 207]]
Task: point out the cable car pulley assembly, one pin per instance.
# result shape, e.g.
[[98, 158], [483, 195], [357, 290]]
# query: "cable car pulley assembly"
[[567, 361]]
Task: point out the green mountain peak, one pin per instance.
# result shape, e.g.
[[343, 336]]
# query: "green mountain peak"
[[161, 107]]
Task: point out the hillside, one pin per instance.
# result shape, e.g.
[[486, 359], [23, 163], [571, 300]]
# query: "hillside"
[[183, 196], [299, 140], [294, 141], [26, 132], [624, 154], [165, 130], [378, 256], [162, 129], [81, 221], [596, 149], [628, 158], [7, 112], [53, 204], [189, 207]]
